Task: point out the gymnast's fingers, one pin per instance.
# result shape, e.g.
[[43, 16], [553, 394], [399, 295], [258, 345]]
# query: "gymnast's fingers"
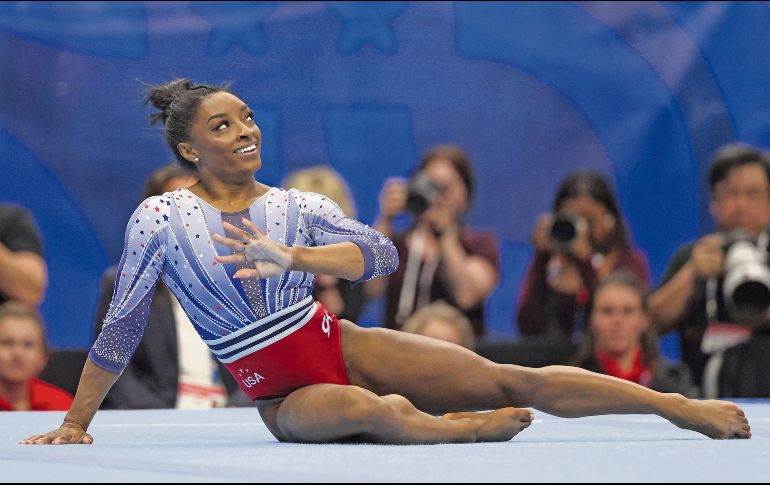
[[252, 226], [231, 243], [237, 231], [231, 259]]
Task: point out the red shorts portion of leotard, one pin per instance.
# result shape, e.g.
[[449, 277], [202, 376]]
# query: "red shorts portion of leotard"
[[310, 354]]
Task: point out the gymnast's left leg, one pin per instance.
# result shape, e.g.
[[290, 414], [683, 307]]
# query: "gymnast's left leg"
[[440, 378]]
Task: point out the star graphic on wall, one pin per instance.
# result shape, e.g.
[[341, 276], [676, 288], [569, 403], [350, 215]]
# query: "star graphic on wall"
[[367, 23], [235, 23]]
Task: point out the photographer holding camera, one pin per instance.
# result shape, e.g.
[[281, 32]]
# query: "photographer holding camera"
[[440, 257], [716, 291], [584, 240]]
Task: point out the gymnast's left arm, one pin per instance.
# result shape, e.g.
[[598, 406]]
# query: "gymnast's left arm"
[[336, 246], [341, 246]]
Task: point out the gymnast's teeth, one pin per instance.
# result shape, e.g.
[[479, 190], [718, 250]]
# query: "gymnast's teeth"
[[247, 149]]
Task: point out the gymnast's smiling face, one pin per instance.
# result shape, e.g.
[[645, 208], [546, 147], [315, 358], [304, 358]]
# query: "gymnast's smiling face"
[[225, 141]]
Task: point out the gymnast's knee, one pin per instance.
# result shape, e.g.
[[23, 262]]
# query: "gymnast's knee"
[[364, 408], [399, 403]]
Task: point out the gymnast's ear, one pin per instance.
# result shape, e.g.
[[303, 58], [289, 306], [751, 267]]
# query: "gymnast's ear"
[[188, 152]]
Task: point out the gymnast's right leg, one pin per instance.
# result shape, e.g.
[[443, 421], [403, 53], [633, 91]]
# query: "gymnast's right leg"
[[324, 413]]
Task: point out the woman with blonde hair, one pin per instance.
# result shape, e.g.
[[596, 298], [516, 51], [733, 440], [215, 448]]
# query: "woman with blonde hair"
[[325, 181], [442, 321]]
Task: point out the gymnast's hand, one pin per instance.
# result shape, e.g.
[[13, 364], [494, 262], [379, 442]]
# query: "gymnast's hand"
[[269, 258], [67, 434]]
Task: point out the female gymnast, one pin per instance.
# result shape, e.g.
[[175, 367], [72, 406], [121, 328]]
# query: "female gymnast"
[[240, 257]]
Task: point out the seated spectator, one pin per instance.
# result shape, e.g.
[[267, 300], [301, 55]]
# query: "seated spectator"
[[689, 299], [23, 355], [584, 240], [172, 367], [621, 342], [441, 258], [443, 322], [337, 295], [23, 271]]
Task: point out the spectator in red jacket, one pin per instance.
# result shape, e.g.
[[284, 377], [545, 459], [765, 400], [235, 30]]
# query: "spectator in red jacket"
[[621, 342], [23, 355]]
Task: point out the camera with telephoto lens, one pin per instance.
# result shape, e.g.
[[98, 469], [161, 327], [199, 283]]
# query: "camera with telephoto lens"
[[745, 287], [565, 229], [421, 193]]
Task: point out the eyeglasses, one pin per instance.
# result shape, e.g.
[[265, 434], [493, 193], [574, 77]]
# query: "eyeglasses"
[[731, 194]]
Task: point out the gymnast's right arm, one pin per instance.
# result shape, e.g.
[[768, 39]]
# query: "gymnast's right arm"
[[138, 273]]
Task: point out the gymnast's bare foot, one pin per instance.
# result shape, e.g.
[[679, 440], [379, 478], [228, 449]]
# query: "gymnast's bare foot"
[[715, 419], [500, 425]]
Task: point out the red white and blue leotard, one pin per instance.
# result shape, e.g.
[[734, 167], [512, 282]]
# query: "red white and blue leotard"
[[270, 333]]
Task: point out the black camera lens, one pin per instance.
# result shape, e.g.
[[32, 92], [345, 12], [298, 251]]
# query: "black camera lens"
[[564, 229], [421, 193], [751, 297]]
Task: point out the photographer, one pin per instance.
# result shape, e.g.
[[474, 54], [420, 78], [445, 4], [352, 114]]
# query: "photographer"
[[440, 258], [583, 241], [691, 297]]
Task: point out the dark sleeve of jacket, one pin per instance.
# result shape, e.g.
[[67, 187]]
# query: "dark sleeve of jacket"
[[150, 381], [18, 230], [531, 314], [675, 378], [745, 371], [696, 301], [537, 301]]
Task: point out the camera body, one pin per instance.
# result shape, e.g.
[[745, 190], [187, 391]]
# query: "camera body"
[[745, 286], [565, 229], [421, 193]]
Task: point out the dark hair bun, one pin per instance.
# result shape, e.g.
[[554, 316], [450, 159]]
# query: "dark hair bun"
[[162, 96]]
